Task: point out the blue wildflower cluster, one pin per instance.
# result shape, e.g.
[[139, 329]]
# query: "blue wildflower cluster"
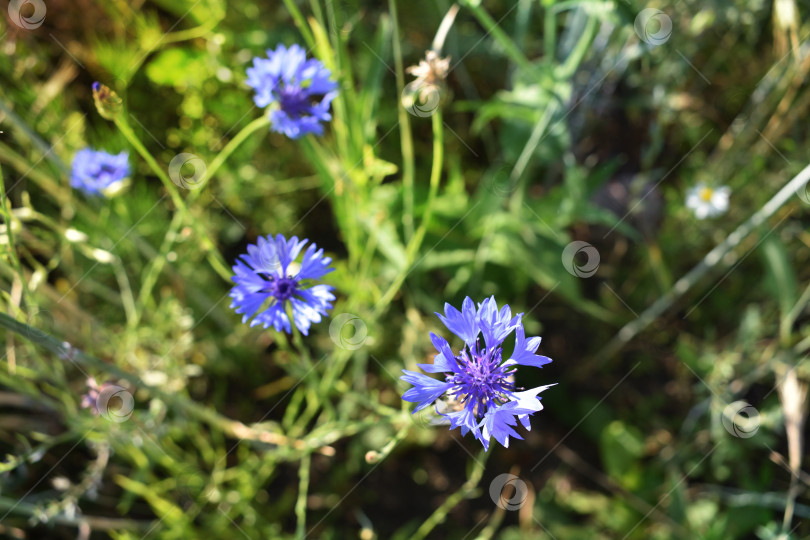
[[299, 90], [95, 172], [478, 379], [273, 288]]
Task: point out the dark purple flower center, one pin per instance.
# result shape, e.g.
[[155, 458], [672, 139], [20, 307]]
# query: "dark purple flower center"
[[281, 288], [294, 100], [483, 379], [107, 170]]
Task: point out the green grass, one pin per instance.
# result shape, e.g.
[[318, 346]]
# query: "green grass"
[[557, 123]]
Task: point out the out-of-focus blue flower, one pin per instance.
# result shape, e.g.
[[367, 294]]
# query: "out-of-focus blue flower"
[[95, 172], [268, 277], [299, 90], [478, 380]]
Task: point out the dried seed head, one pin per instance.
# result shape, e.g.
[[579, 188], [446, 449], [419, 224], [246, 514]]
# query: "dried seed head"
[[432, 70]]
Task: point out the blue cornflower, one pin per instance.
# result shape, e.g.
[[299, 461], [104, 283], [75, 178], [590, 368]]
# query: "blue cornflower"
[[267, 278], [478, 379], [95, 172], [299, 89]]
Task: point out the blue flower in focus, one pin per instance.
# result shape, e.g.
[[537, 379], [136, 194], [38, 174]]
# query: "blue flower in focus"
[[268, 278], [478, 379], [299, 89], [95, 172]]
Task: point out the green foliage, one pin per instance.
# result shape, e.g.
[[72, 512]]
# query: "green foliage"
[[557, 123]]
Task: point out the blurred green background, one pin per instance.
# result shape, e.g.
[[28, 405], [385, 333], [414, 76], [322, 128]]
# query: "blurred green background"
[[559, 122]]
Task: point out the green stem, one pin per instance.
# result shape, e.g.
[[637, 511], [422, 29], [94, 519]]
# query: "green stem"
[[659, 269], [213, 256], [790, 318], [261, 122], [469, 486], [386, 450], [338, 184], [292, 413], [231, 428], [11, 247], [364, 270], [405, 134], [127, 299], [21, 127], [298, 341], [580, 50], [317, 12], [301, 23], [522, 19], [335, 366], [156, 265], [301, 502], [549, 33], [416, 242], [98, 523], [540, 129], [492, 27], [516, 177], [191, 33]]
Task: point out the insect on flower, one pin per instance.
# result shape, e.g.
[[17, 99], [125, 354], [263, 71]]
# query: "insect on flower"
[[96, 172], [298, 90], [478, 377], [268, 278]]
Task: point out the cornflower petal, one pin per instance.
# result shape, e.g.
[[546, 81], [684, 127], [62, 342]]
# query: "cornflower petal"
[[425, 389], [314, 265], [442, 362], [498, 423], [462, 323], [477, 378], [524, 353], [264, 284], [464, 419], [495, 325], [298, 89]]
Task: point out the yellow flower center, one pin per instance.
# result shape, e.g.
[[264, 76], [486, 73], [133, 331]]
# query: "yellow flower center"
[[706, 194]]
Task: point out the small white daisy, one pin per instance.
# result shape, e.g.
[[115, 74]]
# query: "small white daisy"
[[706, 201]]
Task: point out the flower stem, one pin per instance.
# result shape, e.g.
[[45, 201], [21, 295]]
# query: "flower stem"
[[261, 122], [298, 341], [213, 256], [469, 486], [491, 26], [406, 137], [232, 428], [386, 450], [549, 32], [301, 502], [582, 47], [416, 242], [516, 177], [11, 247], [541, 128], [300, 22], [156, 265]]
